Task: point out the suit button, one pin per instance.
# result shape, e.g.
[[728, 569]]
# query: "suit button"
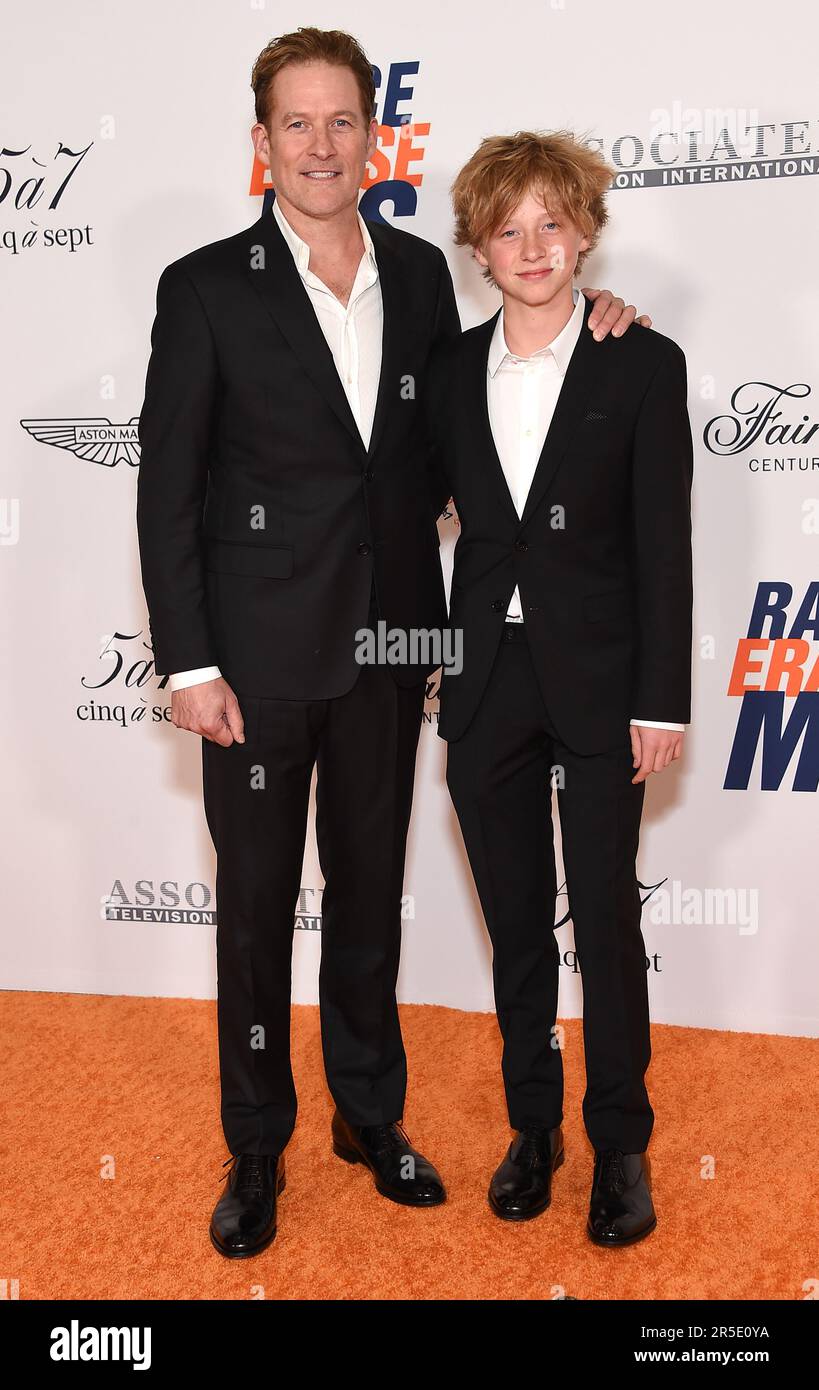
[[364, 548], [497, 605], [368, 476], [522, 546]]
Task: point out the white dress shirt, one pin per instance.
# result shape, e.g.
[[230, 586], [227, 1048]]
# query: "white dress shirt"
[[353, 333], [521, 395]]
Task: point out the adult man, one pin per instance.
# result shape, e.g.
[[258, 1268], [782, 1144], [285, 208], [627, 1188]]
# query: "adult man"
[[571, 468], [287, 499]]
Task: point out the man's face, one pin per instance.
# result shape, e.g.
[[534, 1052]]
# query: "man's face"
[[318, 140], [532, 256]]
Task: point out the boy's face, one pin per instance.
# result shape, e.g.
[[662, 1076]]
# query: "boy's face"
[[318, 141], [532, 255]]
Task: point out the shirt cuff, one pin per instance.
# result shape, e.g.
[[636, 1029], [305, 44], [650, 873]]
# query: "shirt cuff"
[[182, 679], [656, 724]]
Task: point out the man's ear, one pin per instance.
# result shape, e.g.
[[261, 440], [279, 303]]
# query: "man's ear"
[[261, 143], [372, 137]]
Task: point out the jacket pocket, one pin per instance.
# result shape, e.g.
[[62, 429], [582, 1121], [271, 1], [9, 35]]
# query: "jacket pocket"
[[258, 561]]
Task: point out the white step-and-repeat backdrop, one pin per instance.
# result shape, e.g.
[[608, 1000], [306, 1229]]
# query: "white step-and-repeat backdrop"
[[124, 145]]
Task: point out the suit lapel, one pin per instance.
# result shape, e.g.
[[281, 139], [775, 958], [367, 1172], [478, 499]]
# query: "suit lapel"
[[477, 378], [286, 299], [283, 294], [581, 377], [397, 318]]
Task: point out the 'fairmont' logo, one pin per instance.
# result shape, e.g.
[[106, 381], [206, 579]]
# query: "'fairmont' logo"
[[758, 418]]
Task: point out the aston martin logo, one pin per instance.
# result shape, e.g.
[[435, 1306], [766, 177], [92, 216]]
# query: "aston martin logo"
[[97, 440]]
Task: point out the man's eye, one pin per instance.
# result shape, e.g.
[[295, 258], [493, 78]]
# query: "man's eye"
[[342, 121]]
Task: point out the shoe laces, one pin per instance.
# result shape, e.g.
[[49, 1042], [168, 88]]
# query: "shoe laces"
[[533, 1142], [382, 1138], [249, 1170], [611, 1169]]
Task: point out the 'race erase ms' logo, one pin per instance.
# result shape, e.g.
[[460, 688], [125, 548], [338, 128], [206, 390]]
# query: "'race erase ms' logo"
[[776, 678]]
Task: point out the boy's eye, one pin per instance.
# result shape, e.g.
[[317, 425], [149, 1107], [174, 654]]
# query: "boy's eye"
[[547, 227]]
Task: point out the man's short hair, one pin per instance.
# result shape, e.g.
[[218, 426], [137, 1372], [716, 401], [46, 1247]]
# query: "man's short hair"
[[569, 176], [309, 45]]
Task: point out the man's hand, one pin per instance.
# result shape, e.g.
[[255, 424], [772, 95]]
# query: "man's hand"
[[612, 315], [210, 709], [653, 749]]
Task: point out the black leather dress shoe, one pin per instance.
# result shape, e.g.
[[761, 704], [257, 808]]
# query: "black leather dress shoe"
[[621, 1210], [522, 1186], [400, 1172], [244, 1218]]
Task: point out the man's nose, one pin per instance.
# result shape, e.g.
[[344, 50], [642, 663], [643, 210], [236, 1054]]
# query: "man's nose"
[[321, 145]]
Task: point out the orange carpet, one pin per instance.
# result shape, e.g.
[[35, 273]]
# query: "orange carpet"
[[130, 1086]]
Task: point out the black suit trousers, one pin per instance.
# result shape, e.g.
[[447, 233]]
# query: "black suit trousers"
[[500, 774], [363, 745]]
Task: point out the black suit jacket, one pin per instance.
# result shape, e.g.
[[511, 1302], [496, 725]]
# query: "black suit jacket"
[[605, 585], [262, 516]]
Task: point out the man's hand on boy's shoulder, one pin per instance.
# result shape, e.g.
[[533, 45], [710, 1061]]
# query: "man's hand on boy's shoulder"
[[612, 315], [654, 749]]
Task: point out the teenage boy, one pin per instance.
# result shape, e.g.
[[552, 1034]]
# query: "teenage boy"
[[571, 468]]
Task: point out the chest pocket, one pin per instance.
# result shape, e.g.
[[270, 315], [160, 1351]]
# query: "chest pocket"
[[601, 432]]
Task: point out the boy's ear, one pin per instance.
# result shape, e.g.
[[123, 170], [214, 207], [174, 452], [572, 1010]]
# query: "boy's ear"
[[480, 257]]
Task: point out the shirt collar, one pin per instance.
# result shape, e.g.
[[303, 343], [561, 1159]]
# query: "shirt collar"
[[561, 347], [301, 250]]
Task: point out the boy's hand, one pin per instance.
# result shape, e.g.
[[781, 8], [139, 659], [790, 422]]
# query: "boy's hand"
[[611, 314], [653, 749]]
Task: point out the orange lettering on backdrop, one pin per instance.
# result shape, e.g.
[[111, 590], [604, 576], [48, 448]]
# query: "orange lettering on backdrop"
[[812, 682], [787, 659], [259, 179], [744, 666], [390, 137], [378, 161], [787, 656], [409, 153], [379, 166]]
